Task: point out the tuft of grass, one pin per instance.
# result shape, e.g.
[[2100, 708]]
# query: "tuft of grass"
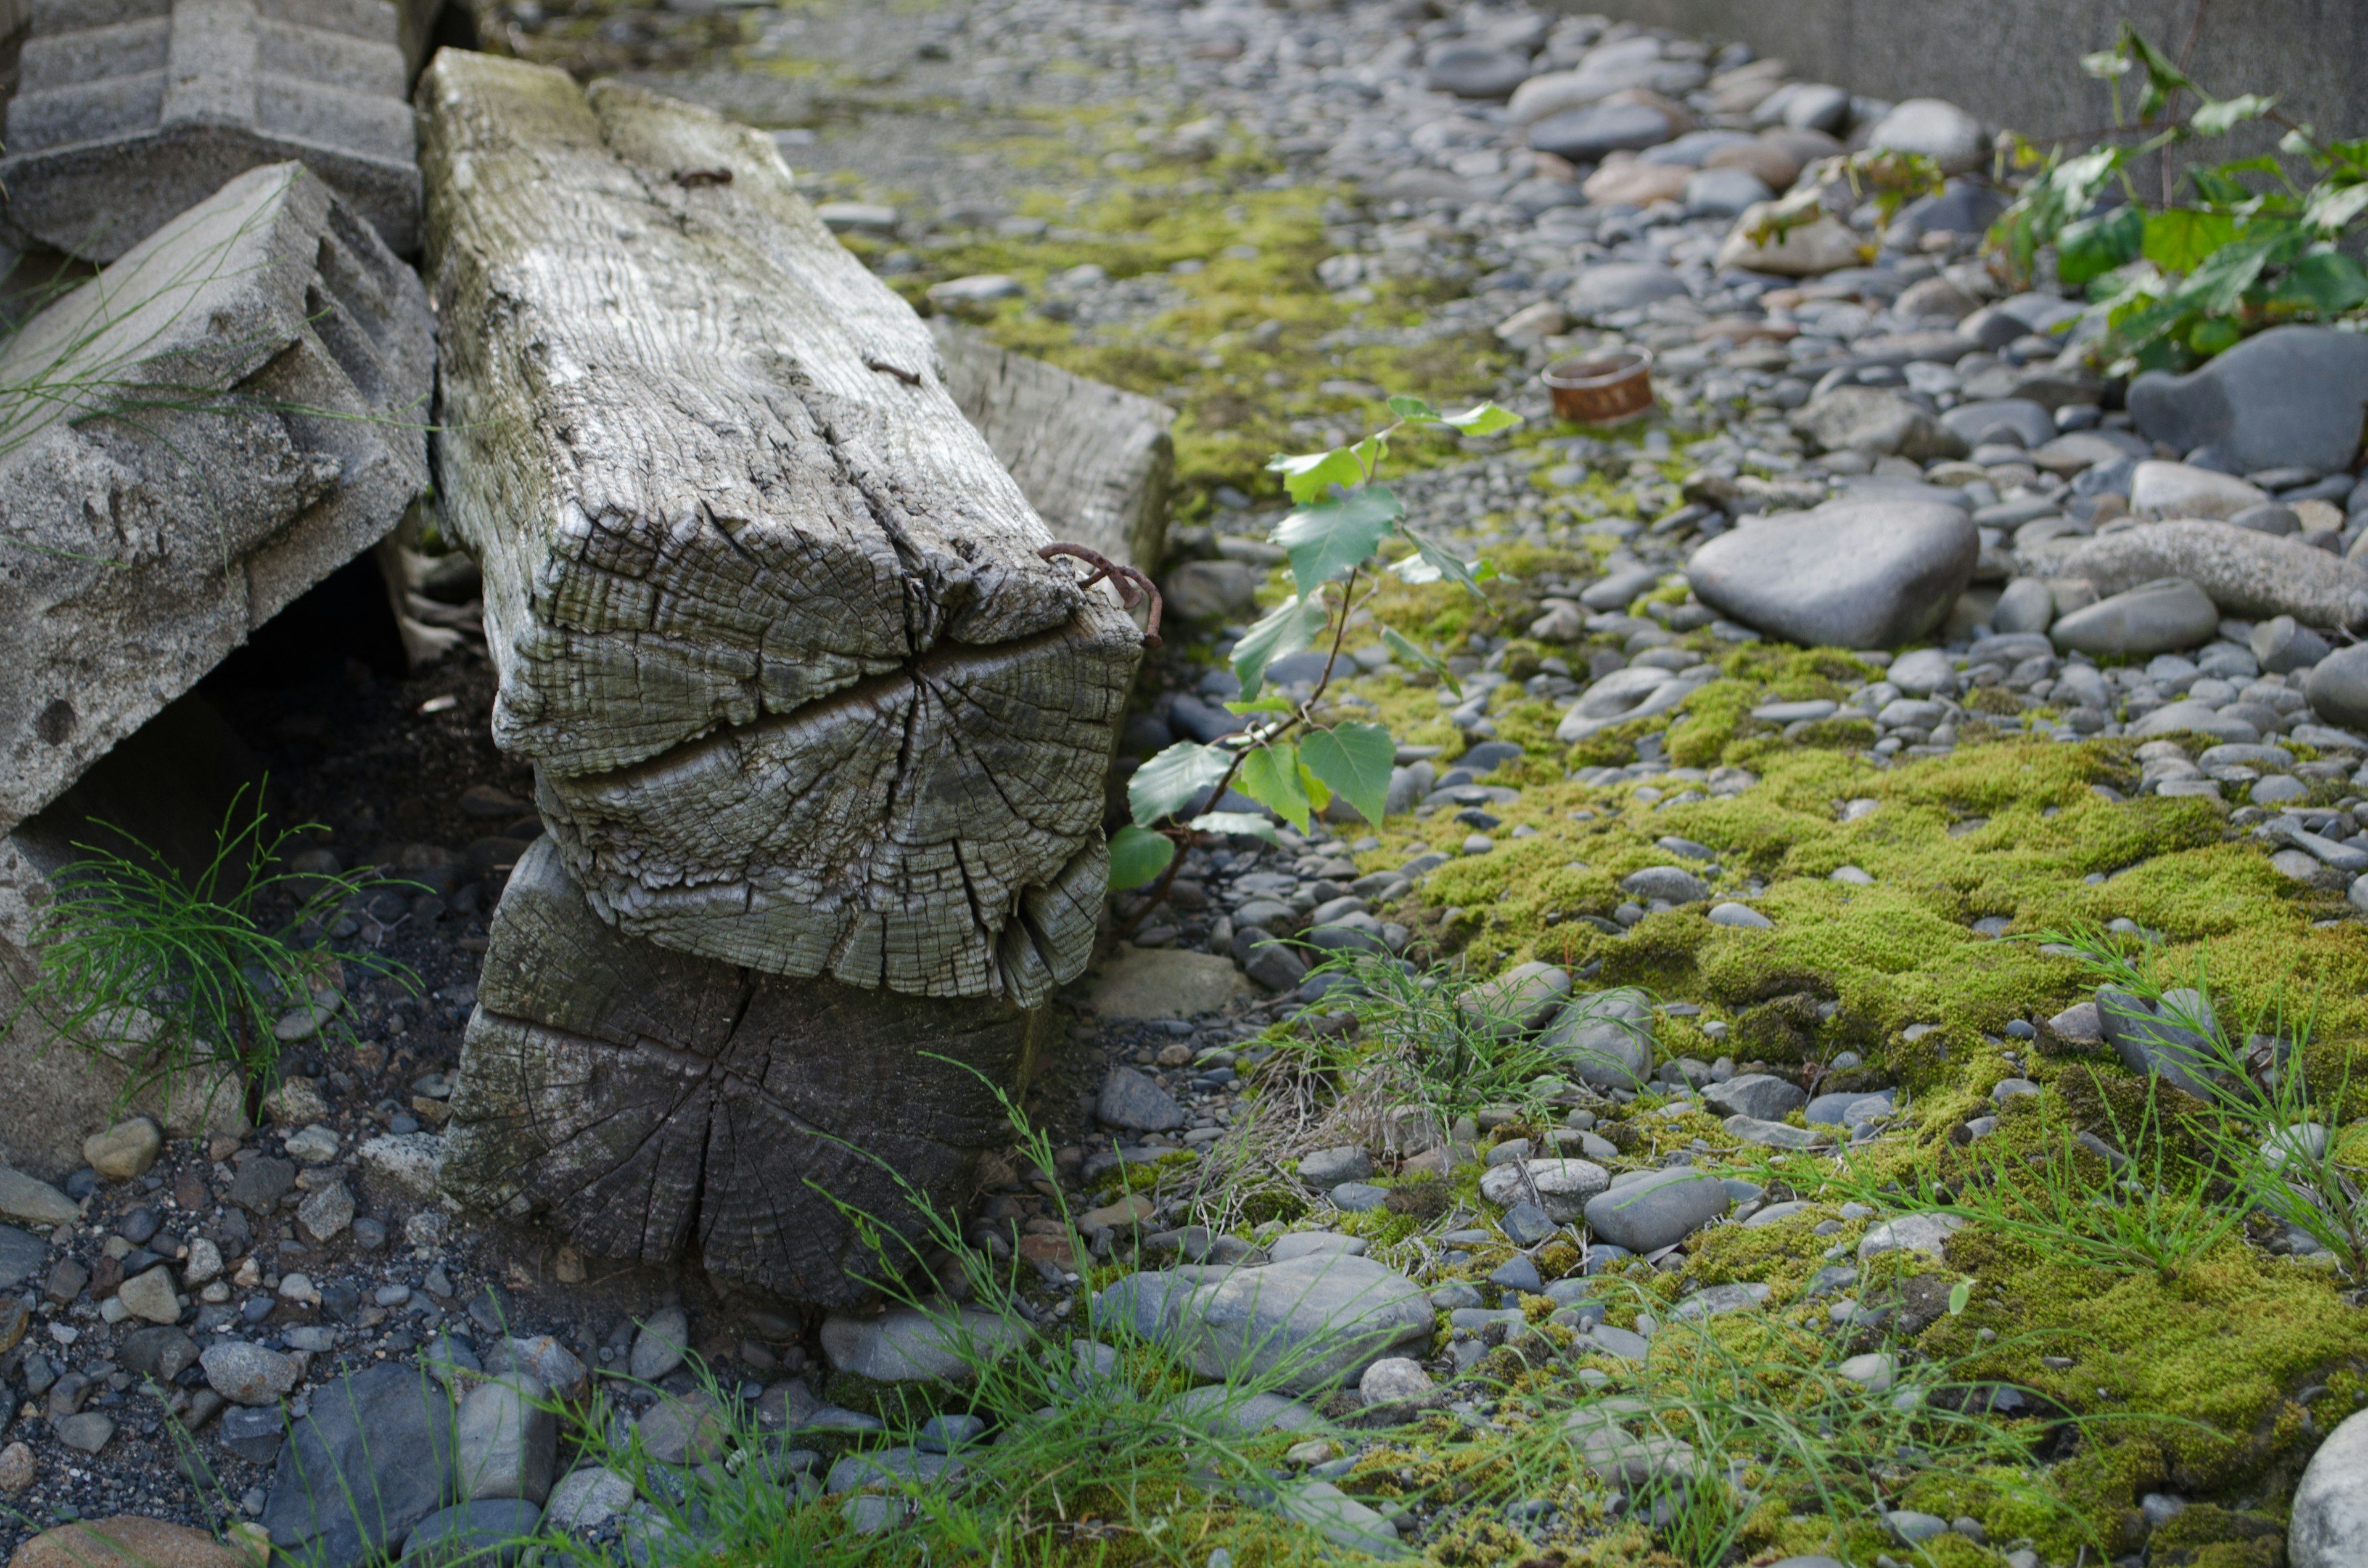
[[173, 979]]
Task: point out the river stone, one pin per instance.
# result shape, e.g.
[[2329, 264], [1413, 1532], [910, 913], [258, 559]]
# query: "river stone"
[[589, 1498], [1327, 1168], [1723, 193], [1606, 1037], [1869, 573], [1978, 423], [1306, 1325], [2196, 718], [1476, 71], [484, 1533], [2153, 618], [1622, 285], [2290, 397], [658, 1344], [1672, 885], [2329, 1524], [149, 1294], [35, 1203], [906, 1345], [1924, 672], [1922, 1233], [1823, 245], [2147, 1041], [506, 1440], [1935, 128], [2160, 489], [123, 1151], [370, 1461], [248, 1374], [1166, 983], [1209, 590], [1584, 135], [2337, 689], [1875, 423], [1660, 1211], [126, 1542], [1760, 1096], [1521, 999], [1129, 1098], [1392, 1379], [1560, 1186], [2027, 604], [2281, 645]]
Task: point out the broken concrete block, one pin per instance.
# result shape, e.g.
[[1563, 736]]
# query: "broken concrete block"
[[129, 111], [1096, 462], [187, 442]]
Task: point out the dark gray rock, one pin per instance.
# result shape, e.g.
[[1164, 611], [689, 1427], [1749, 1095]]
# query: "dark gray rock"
[[261, 1183], [1521, 999], [1760, 1096], [1516, 1273], [1131, 1099], [2281, 645], [491, 1531], [253, 1435], [1659, 1210], [2290, 397], [1673, 884], [1622, 285], [22, 1257], [372, 1459], [1606, 1037], [1525, 1224], [1869, 573], [1476, 71], [1269, 961], [1307, 1325], [162, 1353], [1584, 135], [1329, 1167], [2154, 618], [2338, 688], [2147, 1040]]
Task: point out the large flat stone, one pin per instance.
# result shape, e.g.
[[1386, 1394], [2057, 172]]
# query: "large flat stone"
[[1167, 982], [147, 550], [2290, 397], [1309, 1323], [127, 114], [373, 1459], [2254, 576], [2154, 616], [1852, 573], [2329, 1524]]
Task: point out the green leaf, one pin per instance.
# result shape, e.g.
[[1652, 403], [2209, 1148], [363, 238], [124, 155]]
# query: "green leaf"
[[2181, 239], [2334, 209], [2094, 246], [1289, 627], [2324, 283], [1270, 775], [1483, 419], [1405, 648], [1309, 474], [2163, 78], [1137, 856], [1959, 1296], [1332, 539], [1166, 784], [2217, 285], [1355, 761], [1245, 825], [2214, 334], [1412, 408], [1434, 562], [2218, 116], [1263, 705], [1318, 794]]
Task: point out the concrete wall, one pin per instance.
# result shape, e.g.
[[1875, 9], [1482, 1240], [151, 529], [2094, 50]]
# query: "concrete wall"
[[2016, 63]]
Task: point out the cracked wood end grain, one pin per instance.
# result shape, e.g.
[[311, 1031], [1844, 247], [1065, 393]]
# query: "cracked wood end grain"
[[772, 625]]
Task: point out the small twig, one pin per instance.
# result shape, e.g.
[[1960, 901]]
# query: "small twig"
[[697, 180], [1133, 588], [909, 378]]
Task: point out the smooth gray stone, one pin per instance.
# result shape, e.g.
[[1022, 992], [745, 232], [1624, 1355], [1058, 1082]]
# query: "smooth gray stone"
[[1875, 422], [2248, 574], [906, 1345], [489, 1531], [1622, 285], [507, 1439], [372, 1459], [2174, 718], [1852, 573], [2290, 397], [1975, 423], [1476, 71], [1723, 192], [1358, 1197], [1130, 1098], [22, 1257], [1307, 1324], [1659, 1210], [1924, 672], [2282, 646], [1330, 1167], [1526, 1224], [252, 1434], [2026, 605], [2338, 690], [1521, 999], [1935, 128], [2148, 1044], [1671, 883], [2328, 1527], [659, 1343], [1606, 1037], [1718, 1299], [1585, 134], [1740, 915], [1761, 1096], [2158, 617], [1626, 1344]]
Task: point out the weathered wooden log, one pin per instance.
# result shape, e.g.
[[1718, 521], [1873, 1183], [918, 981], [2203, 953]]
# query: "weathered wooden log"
[[769, 616], [1095, 462], [650, 1105], [219, 420], [128, 111]]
